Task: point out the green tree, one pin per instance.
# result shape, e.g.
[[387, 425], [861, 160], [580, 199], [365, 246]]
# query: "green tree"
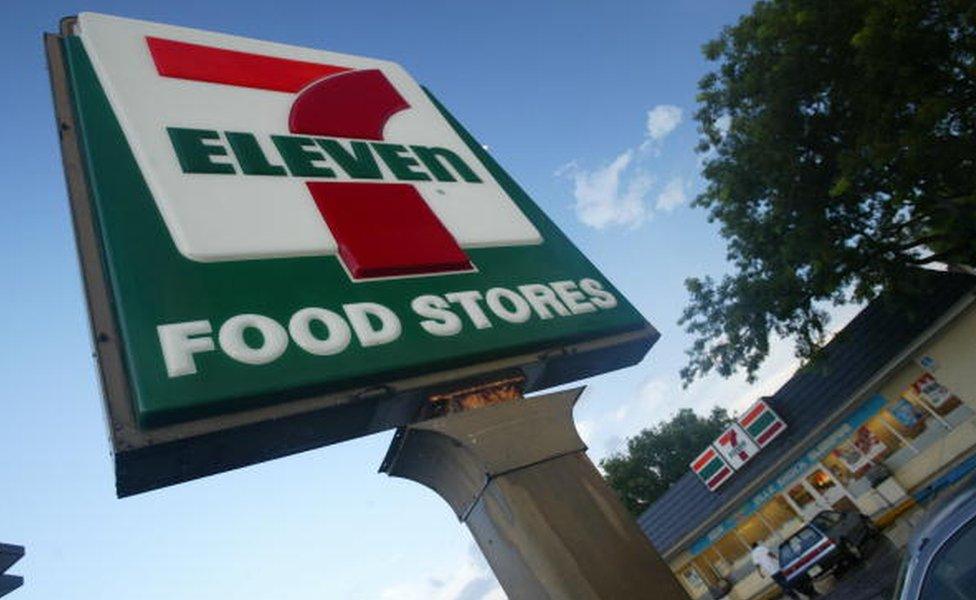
[[839, 140], [659, 456]]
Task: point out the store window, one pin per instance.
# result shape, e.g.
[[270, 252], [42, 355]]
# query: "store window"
[[821, 482], [800, 496], [924, 413], [732, 549], [754, 530], [907, 418], [704, 567], [716, 562], [779, 515], [830, 491], [868, 447], [693, 579], [865, 461], [838, 469], [935, 395]]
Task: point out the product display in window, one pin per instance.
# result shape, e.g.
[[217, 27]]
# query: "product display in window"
[[936, 395], [909, 420]]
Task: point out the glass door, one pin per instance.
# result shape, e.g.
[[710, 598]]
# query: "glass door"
[[819, 490], [804, 500]]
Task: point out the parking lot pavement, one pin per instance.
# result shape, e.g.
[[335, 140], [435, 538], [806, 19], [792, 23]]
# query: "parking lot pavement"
[[873, 580]]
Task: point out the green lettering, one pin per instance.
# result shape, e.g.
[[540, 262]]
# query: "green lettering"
[[194, 154], [402, 166], [360, 165], [250, 156], [433, 157], [299, 158]]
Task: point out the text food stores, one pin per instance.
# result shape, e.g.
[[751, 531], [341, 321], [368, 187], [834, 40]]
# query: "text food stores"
[[886, 414]]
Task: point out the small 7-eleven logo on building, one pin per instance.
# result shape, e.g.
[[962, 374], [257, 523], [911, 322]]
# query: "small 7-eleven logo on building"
[[735, 446], [738, 444], [255, 150]]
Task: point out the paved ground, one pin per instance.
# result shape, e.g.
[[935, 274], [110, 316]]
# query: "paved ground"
[[874, 580]]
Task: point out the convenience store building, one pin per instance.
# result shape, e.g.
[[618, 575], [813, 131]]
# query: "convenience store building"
[[888, 412]]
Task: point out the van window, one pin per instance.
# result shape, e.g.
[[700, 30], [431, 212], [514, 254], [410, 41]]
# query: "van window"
[[794, 547], [827, 519]]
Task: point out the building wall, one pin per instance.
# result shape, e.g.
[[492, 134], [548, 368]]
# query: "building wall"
[[955, 350]]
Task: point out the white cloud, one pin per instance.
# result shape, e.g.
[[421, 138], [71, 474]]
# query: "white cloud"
[[468, 579], [567, 170], [672, 196], [735, 393], [608, 431], [652, 396], [614, 194], [662, 120], [610, 195], [587, 430]]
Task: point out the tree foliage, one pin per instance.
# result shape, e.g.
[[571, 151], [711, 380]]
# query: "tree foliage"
[[839, 140], [659, 456]]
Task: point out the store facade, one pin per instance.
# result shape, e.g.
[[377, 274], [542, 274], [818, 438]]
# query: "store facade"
[[887, 411]]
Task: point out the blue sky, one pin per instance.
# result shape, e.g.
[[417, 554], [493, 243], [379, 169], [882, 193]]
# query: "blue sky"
[[588, 105]]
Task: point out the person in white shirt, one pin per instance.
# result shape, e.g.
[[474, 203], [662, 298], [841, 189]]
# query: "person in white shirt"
[[767, 563]]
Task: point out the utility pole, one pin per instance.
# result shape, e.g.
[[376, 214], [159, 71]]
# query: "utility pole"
[[516, 473]]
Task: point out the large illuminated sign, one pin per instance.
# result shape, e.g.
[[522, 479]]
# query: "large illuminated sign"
[[286, 247]]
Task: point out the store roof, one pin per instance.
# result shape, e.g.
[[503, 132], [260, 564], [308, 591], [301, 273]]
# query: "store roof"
[[812, 396]]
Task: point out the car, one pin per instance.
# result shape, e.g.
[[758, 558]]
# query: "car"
[[831, 539], [940, 558]]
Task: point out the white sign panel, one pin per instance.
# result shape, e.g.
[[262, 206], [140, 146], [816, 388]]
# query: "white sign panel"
[[160, 79]]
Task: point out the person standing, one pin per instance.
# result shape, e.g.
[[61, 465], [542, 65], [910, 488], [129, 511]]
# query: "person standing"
[[767, 563]]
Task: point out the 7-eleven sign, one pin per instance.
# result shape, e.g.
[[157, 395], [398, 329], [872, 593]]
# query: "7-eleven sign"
[[286, 247], [255, 150], [735, 446]]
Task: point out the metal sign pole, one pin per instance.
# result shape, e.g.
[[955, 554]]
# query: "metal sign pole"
[[516, 473]]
